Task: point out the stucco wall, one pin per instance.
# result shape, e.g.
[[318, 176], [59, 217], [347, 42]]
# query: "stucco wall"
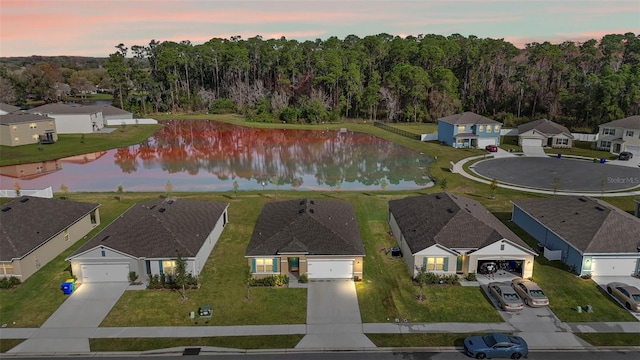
[[24, 132], [207, 247]]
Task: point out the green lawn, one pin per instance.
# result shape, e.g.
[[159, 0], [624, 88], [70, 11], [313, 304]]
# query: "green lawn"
[[8, 344], [233, 342], [417, 128], [611, 339]]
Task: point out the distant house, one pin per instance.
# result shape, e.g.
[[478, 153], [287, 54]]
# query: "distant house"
[[319, 238], [6, 108], [451, 234], [31, 170], [468, 130], [112, 115], [19, 128], [593, 236], [148, 238], [72, 119], [620, 135], [544, 133], [34, 230]]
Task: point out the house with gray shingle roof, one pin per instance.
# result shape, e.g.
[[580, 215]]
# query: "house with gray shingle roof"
[[72, 119], [468, 130], [594, 237], [21, 128], [33, 231], [148, 239], [620, 135], [6, 108], [545, 133], [451, 234], [319, 238]]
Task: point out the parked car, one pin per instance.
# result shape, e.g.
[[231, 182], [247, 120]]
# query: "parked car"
[[530, 292], [496, 346], [625, 155], [491, 148], [506, 296], [627, 294]]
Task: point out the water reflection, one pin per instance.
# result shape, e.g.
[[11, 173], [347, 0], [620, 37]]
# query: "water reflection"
[[210, 156]]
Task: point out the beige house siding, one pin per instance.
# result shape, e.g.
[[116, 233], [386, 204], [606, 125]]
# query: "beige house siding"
[[532, 134], [31, 170], [29, 264], [94, 257], [23, 133], [283, 264]]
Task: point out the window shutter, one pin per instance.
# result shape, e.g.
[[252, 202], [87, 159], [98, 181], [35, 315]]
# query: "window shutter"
[[160, 265], [253, 265], [424, 262], [148, 263], [275, 264], [446, 264]]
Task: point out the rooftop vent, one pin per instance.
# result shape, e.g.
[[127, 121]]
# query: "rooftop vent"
[[105, 238], [438, 197], [450, 210], [582, 199], [312, 202], [312, 211], [169, 202], [300, 211], [600, 208], [302, 202], [24, 200], [161, 210], [152, 207], [6, 208]]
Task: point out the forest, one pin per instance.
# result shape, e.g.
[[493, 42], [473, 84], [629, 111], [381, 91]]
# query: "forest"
[[378, 77]]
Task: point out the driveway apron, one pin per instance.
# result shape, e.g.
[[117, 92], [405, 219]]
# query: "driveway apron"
[[68, 329], [333, 317]]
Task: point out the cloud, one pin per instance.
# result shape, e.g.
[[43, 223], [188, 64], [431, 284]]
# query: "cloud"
[[558, 38]]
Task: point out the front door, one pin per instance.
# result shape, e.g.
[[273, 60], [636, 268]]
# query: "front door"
[[294, 264], [550, 142], [616, 148], [459, 265]]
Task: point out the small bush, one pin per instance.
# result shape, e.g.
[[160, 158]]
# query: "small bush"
[[270, 281], [222, 106], [303, 279], [433, 278], [472, 277], [133, 277], [586, 276], [9, 282]]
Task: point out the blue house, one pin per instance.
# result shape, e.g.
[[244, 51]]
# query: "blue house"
[[468, 130], [593, 237]]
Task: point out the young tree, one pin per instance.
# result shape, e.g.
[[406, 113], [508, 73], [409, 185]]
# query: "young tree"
[[235, 188], [17, 188], [421, 278], [65, 190], [493, 186], [443, 184], [181, 276], [247, 281], [120, 190], [384, 183], [169, 188]]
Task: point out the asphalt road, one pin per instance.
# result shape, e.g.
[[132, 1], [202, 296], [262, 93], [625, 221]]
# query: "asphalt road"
[[375, 355]]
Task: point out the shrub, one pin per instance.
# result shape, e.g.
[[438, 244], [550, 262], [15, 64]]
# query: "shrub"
[[472, 277], [222, 106], [9, 282], [303, 279], [586, 276], [270, 281], [433, 278], [133, 277]]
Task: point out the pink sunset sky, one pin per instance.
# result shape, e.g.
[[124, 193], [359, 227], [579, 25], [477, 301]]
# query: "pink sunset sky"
[[95, 27]]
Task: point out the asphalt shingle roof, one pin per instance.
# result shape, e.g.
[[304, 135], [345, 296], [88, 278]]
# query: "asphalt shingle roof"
[[452, 221], [590, 225], [18, 118], [59, 108], [28, 222], [631, 122], [544, 126], [315, 227], [146, 230], [107, 109], [8, 108], [467, 118]]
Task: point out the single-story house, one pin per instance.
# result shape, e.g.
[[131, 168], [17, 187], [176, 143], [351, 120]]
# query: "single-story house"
[[72, 119], [34, 230], [19, 128], [148, 239], [319, 238], [544, 133], [451, 234], [468, 130], [112, 115], [593, 236], [620, 135], [6, 108]]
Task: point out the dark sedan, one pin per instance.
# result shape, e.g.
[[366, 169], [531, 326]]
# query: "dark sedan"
[[496, 346]]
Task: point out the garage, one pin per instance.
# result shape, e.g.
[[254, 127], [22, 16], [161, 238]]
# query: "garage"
[[105, 272], [493, 266], [634, 149], [613, 266], [483, 142], [330, 269], [532, 142]]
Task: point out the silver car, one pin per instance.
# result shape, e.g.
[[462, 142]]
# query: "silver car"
[[530, 292], [506, 296], [626, 294]]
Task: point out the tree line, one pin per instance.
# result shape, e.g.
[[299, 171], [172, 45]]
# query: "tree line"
[[378, 77]]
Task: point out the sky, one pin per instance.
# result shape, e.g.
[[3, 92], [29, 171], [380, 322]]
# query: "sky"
[[95, 27]]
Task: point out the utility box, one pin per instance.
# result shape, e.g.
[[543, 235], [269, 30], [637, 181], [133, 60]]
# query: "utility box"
[[68, 286]]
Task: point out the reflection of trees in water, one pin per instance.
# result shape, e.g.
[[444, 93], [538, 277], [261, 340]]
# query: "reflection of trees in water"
[[228, 151]]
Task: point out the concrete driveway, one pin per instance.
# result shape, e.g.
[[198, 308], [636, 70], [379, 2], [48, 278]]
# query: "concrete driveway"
[[333, 317], [630, 280], [534, 151], [68, 329]]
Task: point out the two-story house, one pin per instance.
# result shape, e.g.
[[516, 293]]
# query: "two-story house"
[[468, 130], [620, 135], [19, 128]]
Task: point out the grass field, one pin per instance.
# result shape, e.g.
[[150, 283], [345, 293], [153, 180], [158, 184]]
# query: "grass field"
[[230, 342]]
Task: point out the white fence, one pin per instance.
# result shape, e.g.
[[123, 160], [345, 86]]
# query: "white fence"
[[44, 193], [552, 255], [585, 137], [118, 122], [429, 137], [508, 132]]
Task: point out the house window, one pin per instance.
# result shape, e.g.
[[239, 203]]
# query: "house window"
[[501, 247], [103, 253], [7, 268], [496, 128], [480, 128], [66, 235], [434, 264], [33, 126], [488, 128], [605, 145], [462, 128], [630, 133], [265, 265], [562, 141], [608, 131], [169, 267]]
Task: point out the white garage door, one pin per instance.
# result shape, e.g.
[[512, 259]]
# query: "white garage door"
[[482, 142], [634, 149], [105, 272], [613, 266], [330, 269], [531, 142]]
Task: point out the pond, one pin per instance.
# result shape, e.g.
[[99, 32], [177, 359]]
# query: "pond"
[[200, 155]]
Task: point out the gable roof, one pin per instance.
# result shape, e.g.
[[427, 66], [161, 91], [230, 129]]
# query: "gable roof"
[[28, 222], [452, 221], [20, 117], [588, 224], [314, 227], [544, 126], [108, 110], [468, 118], [631, 122], [159, 229], [8, 108], [66, 109]]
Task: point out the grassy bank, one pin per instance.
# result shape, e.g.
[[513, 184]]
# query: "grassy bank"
[[229, 342]]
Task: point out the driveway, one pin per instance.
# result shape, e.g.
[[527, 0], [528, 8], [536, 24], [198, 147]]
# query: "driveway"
[[68, 329], [535, 151], [333, 317], [604, 280]]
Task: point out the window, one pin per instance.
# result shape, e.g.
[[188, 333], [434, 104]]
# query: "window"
[[488, 128], [629, 133], [264, 265], [50, 123], [462, 128], [66, 235], [608, 131], [435, 264], [480, 128], [6, 268], [169, 267], [33, 126], [605, 145], [562, 141], [14, 127], [496, 128]]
